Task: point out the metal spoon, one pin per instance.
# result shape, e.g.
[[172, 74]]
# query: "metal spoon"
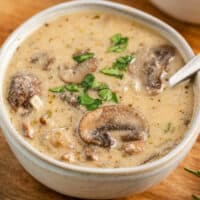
[[185, 72]]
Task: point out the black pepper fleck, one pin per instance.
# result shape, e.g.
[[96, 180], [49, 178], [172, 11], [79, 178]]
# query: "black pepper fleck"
[[17, 48], [186, 122], [96, 17], [186, 87], [46, 24]]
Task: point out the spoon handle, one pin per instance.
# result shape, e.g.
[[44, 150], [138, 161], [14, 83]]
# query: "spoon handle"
[[186, 71]]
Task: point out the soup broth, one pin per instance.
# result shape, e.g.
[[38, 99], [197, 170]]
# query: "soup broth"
[[84, 90]]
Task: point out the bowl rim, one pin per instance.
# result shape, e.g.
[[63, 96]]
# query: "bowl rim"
[[9, 130]]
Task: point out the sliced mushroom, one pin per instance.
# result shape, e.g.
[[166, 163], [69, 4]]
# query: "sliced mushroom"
[[42, 60], [22, 88], [153, 77], [164, 54], [78, 72], [70, 98], [150, 67], [132, 136], [94, 125]]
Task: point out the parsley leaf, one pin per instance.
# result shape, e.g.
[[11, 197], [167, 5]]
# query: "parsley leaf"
[[196, 173], [108, 95], [87, 101], [84, 99], [168, 127], [72, 87], [119, 43], [110, 71], [122, 62], [83, 57], [99, 85], [118, 66], [94, 105], [87, 82], [60, 89]]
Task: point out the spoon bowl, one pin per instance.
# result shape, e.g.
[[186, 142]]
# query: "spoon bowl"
[[188, 70]]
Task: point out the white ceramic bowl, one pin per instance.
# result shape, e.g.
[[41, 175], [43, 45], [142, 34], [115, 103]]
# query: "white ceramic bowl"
[[96, 183], [185, 10]]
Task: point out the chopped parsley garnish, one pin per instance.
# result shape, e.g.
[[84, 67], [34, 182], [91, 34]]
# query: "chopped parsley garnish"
[[168, 127], [122, 62], [83, 57], [60, 89], [99, 85], [110, 71], [118, 66], [108, 95], [87, 82], [72, 87], [118, 43], [90, 103]]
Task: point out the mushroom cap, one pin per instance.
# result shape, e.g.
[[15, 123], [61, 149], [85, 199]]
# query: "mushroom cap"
[[164, 54], [43, 60], [70, 98], [78, 72], [22, 88], [151, 66], [94, 126]]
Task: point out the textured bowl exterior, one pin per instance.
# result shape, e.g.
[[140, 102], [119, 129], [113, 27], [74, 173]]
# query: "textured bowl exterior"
[[84, 182]]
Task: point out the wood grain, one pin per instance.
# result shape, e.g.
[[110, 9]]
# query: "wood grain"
[[16, 184]]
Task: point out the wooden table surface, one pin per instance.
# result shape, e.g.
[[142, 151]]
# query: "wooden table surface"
[[16, 184]]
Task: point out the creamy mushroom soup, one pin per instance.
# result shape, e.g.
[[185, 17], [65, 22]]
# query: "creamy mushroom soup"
[[90, 89]]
